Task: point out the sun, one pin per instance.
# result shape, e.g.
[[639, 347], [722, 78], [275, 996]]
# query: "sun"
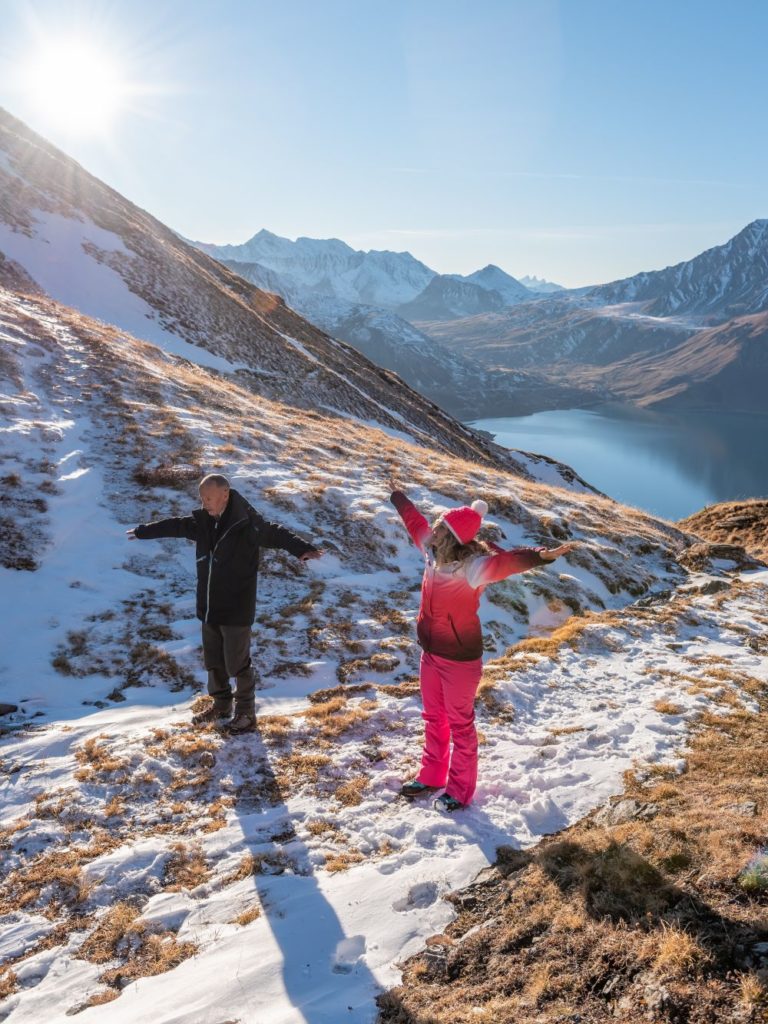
[[76, 85]]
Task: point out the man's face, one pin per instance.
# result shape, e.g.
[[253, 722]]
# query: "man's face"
[[214, 498]]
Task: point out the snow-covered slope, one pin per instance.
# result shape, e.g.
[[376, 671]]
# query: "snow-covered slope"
[[274, 877], [726, 281], [88, 247]]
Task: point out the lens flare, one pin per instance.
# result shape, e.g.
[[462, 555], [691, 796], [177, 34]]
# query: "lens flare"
[[76, 85]]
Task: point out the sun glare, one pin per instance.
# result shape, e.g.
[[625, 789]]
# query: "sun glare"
[[76, 85]]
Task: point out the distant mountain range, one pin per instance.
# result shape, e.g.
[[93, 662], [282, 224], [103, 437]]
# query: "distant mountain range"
[[370, 300], [387, 280], [695, 334], [513, 349]]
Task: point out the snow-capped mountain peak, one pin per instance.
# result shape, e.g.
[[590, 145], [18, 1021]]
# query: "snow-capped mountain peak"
[[331, 268], [725, 281]]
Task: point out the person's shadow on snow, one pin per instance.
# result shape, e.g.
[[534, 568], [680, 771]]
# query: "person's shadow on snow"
[[324, 974]]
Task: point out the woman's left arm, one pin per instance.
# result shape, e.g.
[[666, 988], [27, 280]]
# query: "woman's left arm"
[[492, 568]]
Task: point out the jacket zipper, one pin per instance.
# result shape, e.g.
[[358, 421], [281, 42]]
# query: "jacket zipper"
[[210, 566]]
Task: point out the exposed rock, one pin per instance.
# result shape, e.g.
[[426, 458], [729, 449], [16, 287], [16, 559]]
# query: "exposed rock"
[[624, 810], [748, 808], [699, 557], [733, 522], [436, 959]]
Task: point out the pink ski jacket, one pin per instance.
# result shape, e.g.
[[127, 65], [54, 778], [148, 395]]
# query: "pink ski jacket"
[[448, 624]]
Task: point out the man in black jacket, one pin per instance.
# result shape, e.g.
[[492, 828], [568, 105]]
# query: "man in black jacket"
[[228, 533]]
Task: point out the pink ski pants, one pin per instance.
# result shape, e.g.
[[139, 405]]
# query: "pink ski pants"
[[448, 691]]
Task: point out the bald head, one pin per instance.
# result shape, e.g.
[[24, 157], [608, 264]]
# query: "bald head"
[[214, 493]]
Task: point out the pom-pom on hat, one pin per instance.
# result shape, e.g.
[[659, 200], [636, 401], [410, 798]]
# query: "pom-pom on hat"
[[464, 522]]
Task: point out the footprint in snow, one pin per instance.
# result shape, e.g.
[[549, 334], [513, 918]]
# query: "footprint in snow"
[[348, 952], [417, 898]]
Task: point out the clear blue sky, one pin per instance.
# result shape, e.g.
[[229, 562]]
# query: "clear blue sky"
[[580, 140]]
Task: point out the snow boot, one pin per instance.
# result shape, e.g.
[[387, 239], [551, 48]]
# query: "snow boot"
[[448, 803], [213, 713], [414, 788], [244, 721]]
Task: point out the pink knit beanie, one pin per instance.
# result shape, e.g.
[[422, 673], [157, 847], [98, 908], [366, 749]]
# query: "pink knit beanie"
[[464, 522]]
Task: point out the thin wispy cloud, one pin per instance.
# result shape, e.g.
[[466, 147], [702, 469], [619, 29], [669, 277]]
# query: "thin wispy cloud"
[[564, 176], [564, 233]]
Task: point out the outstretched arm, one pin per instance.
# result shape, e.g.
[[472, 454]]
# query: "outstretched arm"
[[415, 523], [272, 535], [495, 567], [180, 526]]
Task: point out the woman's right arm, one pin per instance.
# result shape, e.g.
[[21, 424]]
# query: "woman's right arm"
[[415, 523]]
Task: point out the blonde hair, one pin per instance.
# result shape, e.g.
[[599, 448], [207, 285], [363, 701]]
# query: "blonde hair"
[[447, 549]]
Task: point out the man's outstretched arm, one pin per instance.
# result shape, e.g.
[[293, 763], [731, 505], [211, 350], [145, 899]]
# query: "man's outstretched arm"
[[273, 535], [184, 527]]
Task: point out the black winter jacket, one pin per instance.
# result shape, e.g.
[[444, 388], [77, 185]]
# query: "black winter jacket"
[[227, 556]]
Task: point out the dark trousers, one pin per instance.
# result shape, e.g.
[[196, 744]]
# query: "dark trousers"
[[227, 655]]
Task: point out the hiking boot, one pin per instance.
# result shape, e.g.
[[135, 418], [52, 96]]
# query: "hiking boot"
[[213, 713], [242, 722], [448, 803], [414, 788]]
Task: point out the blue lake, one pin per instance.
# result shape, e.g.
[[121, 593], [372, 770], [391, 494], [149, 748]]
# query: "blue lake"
[[671, 464]]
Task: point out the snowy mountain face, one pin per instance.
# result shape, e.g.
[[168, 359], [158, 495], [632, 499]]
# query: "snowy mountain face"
[[388, 280], [367, 299], [723, 282], [331, 268]]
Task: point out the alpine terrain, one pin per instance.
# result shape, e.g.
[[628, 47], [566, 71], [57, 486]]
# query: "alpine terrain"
[[694, 335], [153, 870]]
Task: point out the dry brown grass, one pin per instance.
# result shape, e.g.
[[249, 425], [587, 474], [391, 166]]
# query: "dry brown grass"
[[321, 827], [251, 864], [350, 793], [186, 868], [733, 522], [594, 920], [298, 767], [275, 728], [156, 953], [675, 952], [118, 923], [343, 860], [8, 982], [106, 995], [247, 916], [97, 760], [51, 880], [333, 717], [667, 707]]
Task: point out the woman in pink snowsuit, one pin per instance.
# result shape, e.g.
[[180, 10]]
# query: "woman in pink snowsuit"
[[457, 570]]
